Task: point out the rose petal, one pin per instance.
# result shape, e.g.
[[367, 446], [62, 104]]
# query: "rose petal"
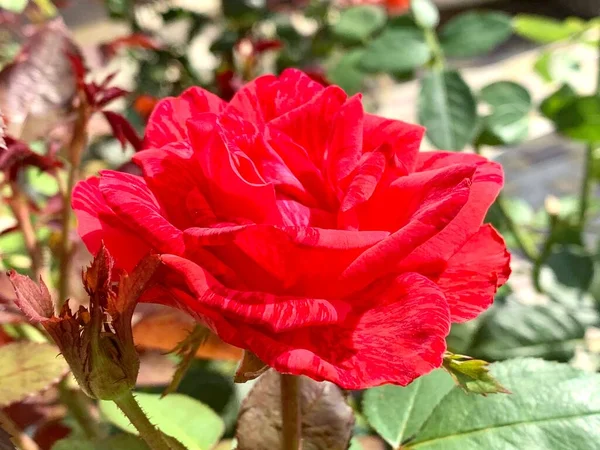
[[231, 195], [473, 275], [97, 223], [268, 97], [275, 313], [487, 182], [403, 139], [167, 121], [295, 259], [439, 201], [137, 208], [397, 338]]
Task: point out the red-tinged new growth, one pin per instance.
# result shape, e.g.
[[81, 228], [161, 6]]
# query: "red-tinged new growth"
[[97, 342]]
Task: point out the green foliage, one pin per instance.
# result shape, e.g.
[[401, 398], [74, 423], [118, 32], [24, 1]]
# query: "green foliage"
[[359, 23], [346, 71], [27, 368], [550, 330], [545, 29], [447, 109], [397, 413], [474, 33], [557, 65], [551, 406], [195, 425], [557, 101], [579, 119], [396, 49], [510, 103]]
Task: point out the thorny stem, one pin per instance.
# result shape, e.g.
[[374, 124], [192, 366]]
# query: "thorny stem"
[[20, 210], [148, 432], [19, 438], [290, 412], [76, 147], [586, 183]]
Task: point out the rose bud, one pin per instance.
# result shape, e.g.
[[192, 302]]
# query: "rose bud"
[[97, 343]]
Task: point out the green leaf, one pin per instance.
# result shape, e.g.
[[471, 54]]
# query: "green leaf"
[[27, 368], [359, 23], [572, 265], [397, 413], [397, 49], [580, 119], [346, 72], [557, 101], [192, 423], [16, 6], [474, 33], [472, 375], [551, 330], [510, 103], [557, 65], [552, 406], [448, 110], [425, 13], [545, 29], [116, 442]]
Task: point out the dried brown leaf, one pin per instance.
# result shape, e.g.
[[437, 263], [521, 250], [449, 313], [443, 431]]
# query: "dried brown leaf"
[[327, 420], [33, 299], [5, 441], [163, 328], [39, 86], [250, 367]]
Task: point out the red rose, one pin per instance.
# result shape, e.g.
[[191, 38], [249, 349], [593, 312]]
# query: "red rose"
[[299, 227]]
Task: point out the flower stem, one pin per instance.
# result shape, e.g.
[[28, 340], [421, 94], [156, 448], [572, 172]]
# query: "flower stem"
[[20, 209], [290, 412], [76, 147], [19, 438], [148, 432]]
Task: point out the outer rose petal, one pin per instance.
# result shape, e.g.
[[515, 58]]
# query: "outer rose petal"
[[167, 121], [268, 97], [440, 200], [131, 200], [397, 337], [275, 313], [487, 182], [98, 223], [474, 274]]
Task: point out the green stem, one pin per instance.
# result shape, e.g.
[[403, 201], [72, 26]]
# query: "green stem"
[[438, 60], [290, 412], [148, 432], [544, 254], [586, 183], [79, 407]]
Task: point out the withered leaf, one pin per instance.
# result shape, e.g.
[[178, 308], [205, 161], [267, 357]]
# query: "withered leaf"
[[250, 367], [39, 85], [162, 328], [27, 368], [327, 420], [33, 299]]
